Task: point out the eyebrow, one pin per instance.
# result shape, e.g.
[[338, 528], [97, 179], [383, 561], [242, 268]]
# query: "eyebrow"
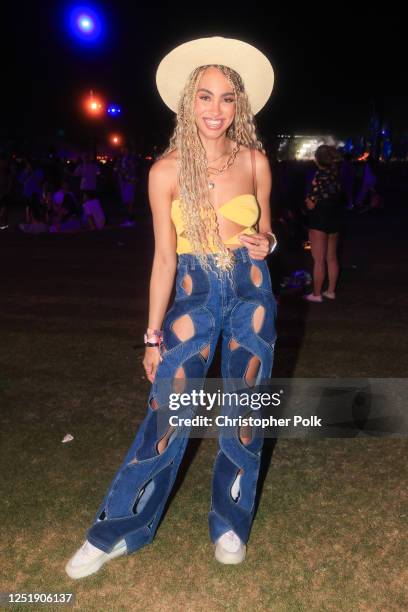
[[228, 93]]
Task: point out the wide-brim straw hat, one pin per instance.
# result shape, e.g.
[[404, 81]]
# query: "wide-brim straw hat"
[[253, 66]]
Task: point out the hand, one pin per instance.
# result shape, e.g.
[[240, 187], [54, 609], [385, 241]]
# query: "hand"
[[151, 360], [258, 245], [310, 204]]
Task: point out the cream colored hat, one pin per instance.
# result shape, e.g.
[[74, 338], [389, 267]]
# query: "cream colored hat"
[[253, 66]]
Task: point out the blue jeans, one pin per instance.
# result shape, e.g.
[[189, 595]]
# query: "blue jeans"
[[241, 308]]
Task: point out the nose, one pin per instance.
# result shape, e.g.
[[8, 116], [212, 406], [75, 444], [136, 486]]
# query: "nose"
[[216, 106]]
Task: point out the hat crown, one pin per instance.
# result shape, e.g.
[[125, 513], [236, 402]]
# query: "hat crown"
[[251, 64]]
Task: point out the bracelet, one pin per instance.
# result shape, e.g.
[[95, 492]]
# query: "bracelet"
[[153, 337], [274, 244], [154, 332]]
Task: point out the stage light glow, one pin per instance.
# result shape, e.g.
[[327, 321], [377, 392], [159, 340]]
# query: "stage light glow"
[[93, 105], [115, 140], [114, 110], [85, 23]]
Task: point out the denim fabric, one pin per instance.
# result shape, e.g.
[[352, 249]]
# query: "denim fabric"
[[218, 304]]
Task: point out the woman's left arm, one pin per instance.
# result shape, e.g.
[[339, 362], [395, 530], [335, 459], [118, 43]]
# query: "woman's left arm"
[[259, 244]]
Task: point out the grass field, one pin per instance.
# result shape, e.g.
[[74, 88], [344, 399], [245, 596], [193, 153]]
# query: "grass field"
[[330, 532]]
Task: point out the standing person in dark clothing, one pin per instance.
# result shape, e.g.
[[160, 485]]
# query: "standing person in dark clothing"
[[126, 172], [31, 179], [325, 204], [368, 183]]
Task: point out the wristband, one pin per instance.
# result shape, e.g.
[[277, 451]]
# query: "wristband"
[[153, 337]]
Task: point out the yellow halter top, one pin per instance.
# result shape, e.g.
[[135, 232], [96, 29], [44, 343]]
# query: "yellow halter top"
[[243, 210]]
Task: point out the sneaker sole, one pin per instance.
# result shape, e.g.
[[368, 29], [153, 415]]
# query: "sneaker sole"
[[92, 568], [229, 558]]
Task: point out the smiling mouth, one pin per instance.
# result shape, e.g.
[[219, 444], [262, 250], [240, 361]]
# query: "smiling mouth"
[[213, 124]]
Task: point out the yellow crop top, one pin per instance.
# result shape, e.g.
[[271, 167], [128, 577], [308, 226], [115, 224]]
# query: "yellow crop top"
[[243, 210]]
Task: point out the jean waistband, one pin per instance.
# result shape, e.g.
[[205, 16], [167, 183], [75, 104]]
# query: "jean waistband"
[[189, 259]]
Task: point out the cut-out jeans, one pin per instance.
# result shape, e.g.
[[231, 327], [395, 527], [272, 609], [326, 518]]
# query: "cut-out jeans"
[[242, 309]]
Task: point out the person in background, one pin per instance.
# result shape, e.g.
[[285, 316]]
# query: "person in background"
[[87, 170], [38, 222], [93, 214], [325, 205], [368, 183], [31, 179], [126, 173], [67, 217], [47, 201], [59, 195]]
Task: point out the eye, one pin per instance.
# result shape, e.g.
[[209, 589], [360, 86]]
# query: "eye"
[[204, 97], [229, 100]]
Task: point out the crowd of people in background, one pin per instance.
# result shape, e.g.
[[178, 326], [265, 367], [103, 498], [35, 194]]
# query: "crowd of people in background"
[[51, 196], [55, 196], [86, 194]]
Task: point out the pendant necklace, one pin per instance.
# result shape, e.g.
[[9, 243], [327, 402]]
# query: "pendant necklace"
[[228, 163]]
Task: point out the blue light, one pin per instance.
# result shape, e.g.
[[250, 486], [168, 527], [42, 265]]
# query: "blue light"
[[85, 24], [113, 109]]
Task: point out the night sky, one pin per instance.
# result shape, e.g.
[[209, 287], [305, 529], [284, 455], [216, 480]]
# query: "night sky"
[[331, 65]]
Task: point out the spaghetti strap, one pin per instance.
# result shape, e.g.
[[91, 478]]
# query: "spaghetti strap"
[[253, 164]]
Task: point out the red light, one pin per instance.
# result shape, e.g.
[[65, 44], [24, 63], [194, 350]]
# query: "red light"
[[93, 105], [115, 140]]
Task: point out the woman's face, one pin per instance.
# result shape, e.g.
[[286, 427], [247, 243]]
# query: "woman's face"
[[214, 104]]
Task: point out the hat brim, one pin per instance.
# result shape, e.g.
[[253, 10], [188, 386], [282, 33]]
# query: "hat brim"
[[253, 66]]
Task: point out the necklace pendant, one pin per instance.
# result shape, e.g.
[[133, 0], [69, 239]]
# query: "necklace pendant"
[[211, 185]]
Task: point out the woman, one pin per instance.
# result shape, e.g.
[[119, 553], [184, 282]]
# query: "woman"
[[325, 211], [209, 195]]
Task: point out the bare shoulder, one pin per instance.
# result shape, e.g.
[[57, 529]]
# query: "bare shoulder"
[[163, 173], [261, 159], [165, 166]]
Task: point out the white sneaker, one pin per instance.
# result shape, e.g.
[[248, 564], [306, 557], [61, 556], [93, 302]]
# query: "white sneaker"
[[89, 559], [229, 549]]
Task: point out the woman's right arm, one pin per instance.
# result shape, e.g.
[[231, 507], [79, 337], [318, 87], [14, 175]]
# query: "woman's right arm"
[[161, 186]]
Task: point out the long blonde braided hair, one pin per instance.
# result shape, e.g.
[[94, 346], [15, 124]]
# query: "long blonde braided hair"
[[198, 214]]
